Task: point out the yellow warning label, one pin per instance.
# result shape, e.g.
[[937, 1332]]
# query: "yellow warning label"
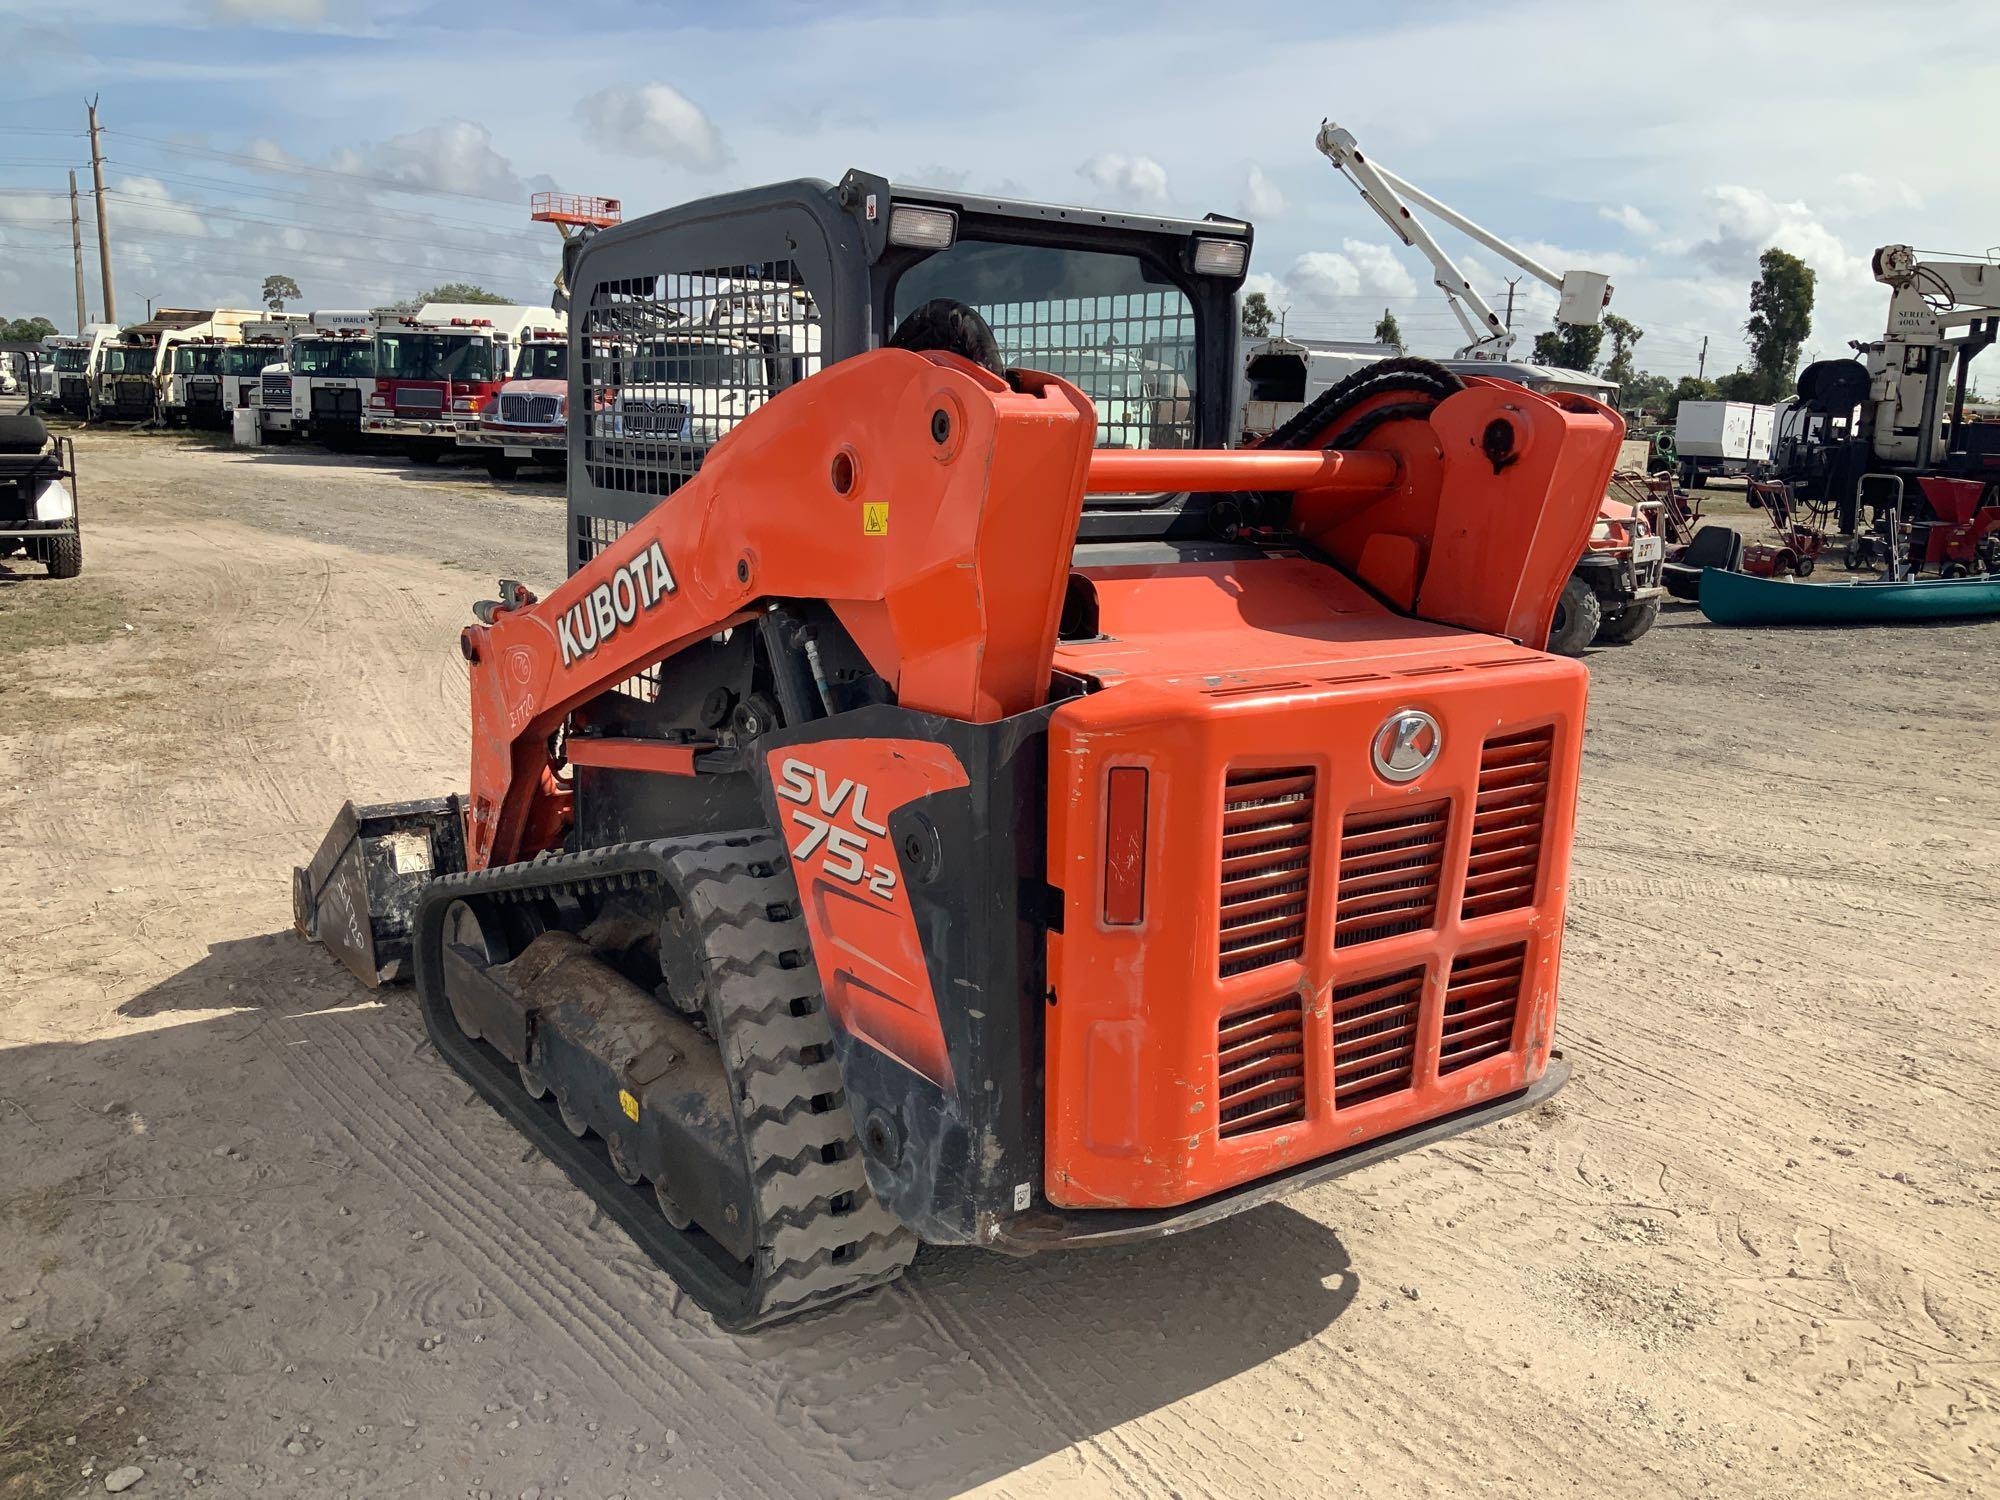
[[629, 1102], [874, 518]]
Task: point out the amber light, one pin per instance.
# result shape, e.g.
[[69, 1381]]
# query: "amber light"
[[1125, 847]]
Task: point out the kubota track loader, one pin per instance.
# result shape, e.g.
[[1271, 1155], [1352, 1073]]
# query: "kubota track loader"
[[953, 798]]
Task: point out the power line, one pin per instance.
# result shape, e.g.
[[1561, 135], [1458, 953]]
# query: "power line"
[[207, 211], [264, 164], [253, 191], [224, 248]]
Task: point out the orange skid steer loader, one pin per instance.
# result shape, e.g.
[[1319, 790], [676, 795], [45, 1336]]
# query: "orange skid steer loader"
[[953, 798]]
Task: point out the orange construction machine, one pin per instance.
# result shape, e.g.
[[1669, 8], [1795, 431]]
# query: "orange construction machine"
[[953, 798]]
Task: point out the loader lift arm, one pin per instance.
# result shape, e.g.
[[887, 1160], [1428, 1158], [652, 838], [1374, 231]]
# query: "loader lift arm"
[[934, 505]]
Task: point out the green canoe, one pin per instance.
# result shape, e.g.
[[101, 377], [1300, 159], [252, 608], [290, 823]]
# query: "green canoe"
[[1739, 599]]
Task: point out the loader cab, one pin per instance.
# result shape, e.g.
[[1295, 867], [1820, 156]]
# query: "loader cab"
[[775, 283]]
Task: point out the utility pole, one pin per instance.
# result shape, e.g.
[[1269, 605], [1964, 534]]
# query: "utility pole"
[[103, 223], [1701, 367], [1514, 282], [76, 251]]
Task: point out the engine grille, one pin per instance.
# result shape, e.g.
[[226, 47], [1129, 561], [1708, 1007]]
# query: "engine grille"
[[1267, 823], [336, 401], [1391, 861], [1375, 1036], [277, 390], [1507, 823], [1480, 1000], [419, 398], [535, 411], [1261, 1068]]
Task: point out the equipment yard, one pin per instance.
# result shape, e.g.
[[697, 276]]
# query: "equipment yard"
[[259, 1237]]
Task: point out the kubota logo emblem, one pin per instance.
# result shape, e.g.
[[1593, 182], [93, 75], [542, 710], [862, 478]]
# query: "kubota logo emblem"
[[1407, 745], [606, 609]]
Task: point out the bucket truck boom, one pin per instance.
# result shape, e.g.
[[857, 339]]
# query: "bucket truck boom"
[[1583, 294]]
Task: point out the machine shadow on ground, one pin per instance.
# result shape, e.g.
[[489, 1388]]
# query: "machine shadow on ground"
[[972, 1367]]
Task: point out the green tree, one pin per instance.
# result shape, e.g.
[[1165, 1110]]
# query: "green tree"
[[25, 330], [1740, 385], [1389, 332], [1781, 302], [1647, 392], [457, 291], [1625, 334], [1257, 316], [1570, 346], [1694, 388], [277, 289]]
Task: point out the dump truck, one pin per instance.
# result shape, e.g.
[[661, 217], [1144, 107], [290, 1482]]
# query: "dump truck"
[[134, 382], [911, 822]]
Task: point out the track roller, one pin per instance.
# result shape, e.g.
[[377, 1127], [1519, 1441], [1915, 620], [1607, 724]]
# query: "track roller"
[[650, 1016]]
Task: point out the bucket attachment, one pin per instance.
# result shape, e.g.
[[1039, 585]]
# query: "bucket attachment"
[[359, 895]]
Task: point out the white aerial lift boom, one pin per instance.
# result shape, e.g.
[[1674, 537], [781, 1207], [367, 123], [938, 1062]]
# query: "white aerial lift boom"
[[1938, 310], [1583, 294]]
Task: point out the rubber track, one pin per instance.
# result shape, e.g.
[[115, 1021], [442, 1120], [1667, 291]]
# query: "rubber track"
[[821, 1234]]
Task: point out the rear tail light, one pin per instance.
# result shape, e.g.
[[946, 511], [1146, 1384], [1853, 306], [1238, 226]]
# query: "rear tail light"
[[1125, 847]]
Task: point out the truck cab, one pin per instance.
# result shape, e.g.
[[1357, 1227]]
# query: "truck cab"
[[194, 389], [327, 380], [529, 420], [124, 389], [438, 370], [73, 366]]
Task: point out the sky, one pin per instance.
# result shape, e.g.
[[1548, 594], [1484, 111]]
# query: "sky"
[[373, 148]]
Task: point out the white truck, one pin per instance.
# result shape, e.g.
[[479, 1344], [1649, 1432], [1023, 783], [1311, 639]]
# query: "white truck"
[[438, 369], [73, 364], [239, 371], [683, 393], [1714, 438], [135, 381], [323, 387], [528, 422]]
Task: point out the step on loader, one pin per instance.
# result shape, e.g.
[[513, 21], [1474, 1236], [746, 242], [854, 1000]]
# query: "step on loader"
[[954, 799]]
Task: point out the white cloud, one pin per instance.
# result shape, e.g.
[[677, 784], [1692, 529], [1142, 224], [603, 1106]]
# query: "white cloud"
[[1629, 219], [1382, 270], [1750, 221], [654, 119], [1320, 280], [458, 156], [1861, 194], [1126, 179], [270, 12], [1262, 198]]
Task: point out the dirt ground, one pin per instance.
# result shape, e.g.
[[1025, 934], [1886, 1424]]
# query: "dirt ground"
[[255, 1238]]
